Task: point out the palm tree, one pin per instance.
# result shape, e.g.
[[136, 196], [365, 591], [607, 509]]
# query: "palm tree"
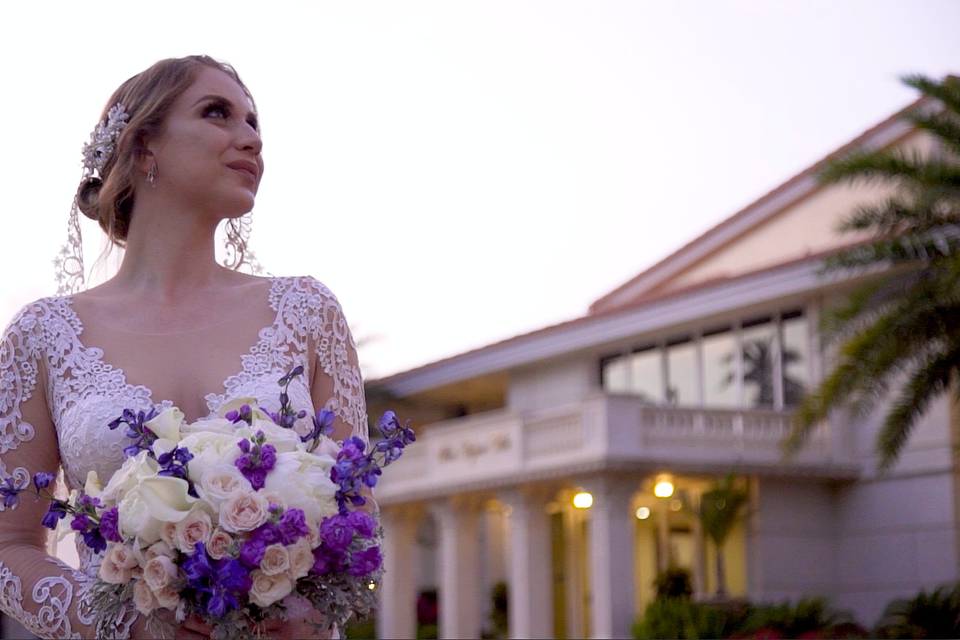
[[907, 319], [758, 371], [718, 510]]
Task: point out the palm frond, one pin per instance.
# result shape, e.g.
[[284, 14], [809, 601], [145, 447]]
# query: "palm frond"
[[947, 91], [907, 168], [945, 128], [926, 383]]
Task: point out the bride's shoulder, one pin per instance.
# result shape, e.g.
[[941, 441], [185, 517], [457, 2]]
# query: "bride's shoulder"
[[24, 328]]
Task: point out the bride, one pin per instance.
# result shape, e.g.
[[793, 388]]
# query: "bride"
[[177, 151]]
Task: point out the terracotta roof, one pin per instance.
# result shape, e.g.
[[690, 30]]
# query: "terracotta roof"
[[810, 171]]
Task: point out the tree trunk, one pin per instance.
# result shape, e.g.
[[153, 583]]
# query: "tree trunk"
[[721, 574]]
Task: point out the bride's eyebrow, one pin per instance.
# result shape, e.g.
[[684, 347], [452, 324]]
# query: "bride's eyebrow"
[[251, 116]]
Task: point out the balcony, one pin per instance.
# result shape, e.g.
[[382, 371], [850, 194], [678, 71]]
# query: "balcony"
[[605, 432]]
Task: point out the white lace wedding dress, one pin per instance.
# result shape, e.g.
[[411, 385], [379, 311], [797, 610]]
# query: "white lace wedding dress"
[[61, 383]]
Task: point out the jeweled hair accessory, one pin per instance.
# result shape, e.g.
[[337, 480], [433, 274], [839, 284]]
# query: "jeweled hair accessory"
[[96, 153], [103, 140]]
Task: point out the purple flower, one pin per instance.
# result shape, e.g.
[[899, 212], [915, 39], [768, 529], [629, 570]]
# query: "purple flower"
[[365, 562], [80, 522], [327, 560], [252, 551], [257, 460], [336, 532], [292, 526], [143, 436], [56, 512], [362, 522], [94, 540], [218, 585], [10, 492], [109, 525], [42, 479]]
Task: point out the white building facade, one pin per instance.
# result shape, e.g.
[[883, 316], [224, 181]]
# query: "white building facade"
[[682, 375]]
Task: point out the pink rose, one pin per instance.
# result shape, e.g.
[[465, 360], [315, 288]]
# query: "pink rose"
[[159, 548], [168, 533], [267, 589], [118, 564], [220, 542], [143, 598], [168, 598], [301, 559], [243, 512], [196, 527], [275, 560], [159, 572]]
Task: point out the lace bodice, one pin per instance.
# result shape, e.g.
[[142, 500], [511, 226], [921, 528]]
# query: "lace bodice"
[[43, 356]]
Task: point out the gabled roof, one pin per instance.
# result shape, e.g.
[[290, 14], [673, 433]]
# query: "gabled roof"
[[800, 186]]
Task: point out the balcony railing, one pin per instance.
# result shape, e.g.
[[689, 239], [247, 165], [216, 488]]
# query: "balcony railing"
[[506, 447]]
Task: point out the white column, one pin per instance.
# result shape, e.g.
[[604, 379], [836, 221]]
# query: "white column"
[[397, 617], [530, 612], [459, 597], [611, 558]]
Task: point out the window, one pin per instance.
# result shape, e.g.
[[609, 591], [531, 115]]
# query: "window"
[[758, 343], [646, 371], [616, 375], [795, 358], [682, 374], [720, 370]]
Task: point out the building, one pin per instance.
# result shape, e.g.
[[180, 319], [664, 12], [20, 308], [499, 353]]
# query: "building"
[[683, 374]]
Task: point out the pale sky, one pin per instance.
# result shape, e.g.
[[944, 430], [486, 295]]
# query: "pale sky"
[[461, 172]]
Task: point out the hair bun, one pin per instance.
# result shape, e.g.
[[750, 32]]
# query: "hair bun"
[[88, 197]]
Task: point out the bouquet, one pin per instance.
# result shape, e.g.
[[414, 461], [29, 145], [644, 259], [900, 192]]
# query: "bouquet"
[[237, 519]]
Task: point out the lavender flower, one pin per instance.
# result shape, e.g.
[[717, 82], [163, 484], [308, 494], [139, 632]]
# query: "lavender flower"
[[286, 416], [42, 480], [56, 512], [143, 436], [336, 532], [173, 463], [10, 490], [327, 560], [322, 426], [245, 414], [218, 585]]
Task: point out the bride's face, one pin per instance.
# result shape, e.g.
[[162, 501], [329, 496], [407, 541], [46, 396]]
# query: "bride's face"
[[208, 152]]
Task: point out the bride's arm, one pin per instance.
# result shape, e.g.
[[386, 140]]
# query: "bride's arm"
[[39, 591]]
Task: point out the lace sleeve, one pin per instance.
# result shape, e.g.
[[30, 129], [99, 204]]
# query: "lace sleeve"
[[44, 595], [336, 382]]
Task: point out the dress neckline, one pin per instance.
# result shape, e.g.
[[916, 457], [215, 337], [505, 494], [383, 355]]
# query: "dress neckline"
[[96, 353]]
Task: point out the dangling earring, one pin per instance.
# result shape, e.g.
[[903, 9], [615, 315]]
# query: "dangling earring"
[[152, 174], [237, 247]]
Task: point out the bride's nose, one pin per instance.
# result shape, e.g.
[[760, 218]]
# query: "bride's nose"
[[250, 140]]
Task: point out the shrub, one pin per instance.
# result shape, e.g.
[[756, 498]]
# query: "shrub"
[[807, 618], [683, 618], [926, 615], [674, 582]]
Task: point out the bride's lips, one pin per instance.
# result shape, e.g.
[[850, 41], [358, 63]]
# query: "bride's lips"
[[246, 167]]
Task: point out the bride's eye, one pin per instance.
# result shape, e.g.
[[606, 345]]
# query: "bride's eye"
[[217, 108]]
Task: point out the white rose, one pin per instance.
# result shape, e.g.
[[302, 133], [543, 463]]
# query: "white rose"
[[301, 559], [212, 449], [327, 447], [159, 572], [117, 565], [195, 527], [267, 589], [281, 438], [127, 476], [276, 560], [219, 482], [143, 598], [303, 481], [243, 512]]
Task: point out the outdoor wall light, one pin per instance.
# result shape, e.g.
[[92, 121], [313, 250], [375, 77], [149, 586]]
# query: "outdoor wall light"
[[583, 500], [663, 488], [643, 513]]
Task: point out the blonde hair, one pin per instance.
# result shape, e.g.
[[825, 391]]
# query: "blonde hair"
[[147, 98]]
